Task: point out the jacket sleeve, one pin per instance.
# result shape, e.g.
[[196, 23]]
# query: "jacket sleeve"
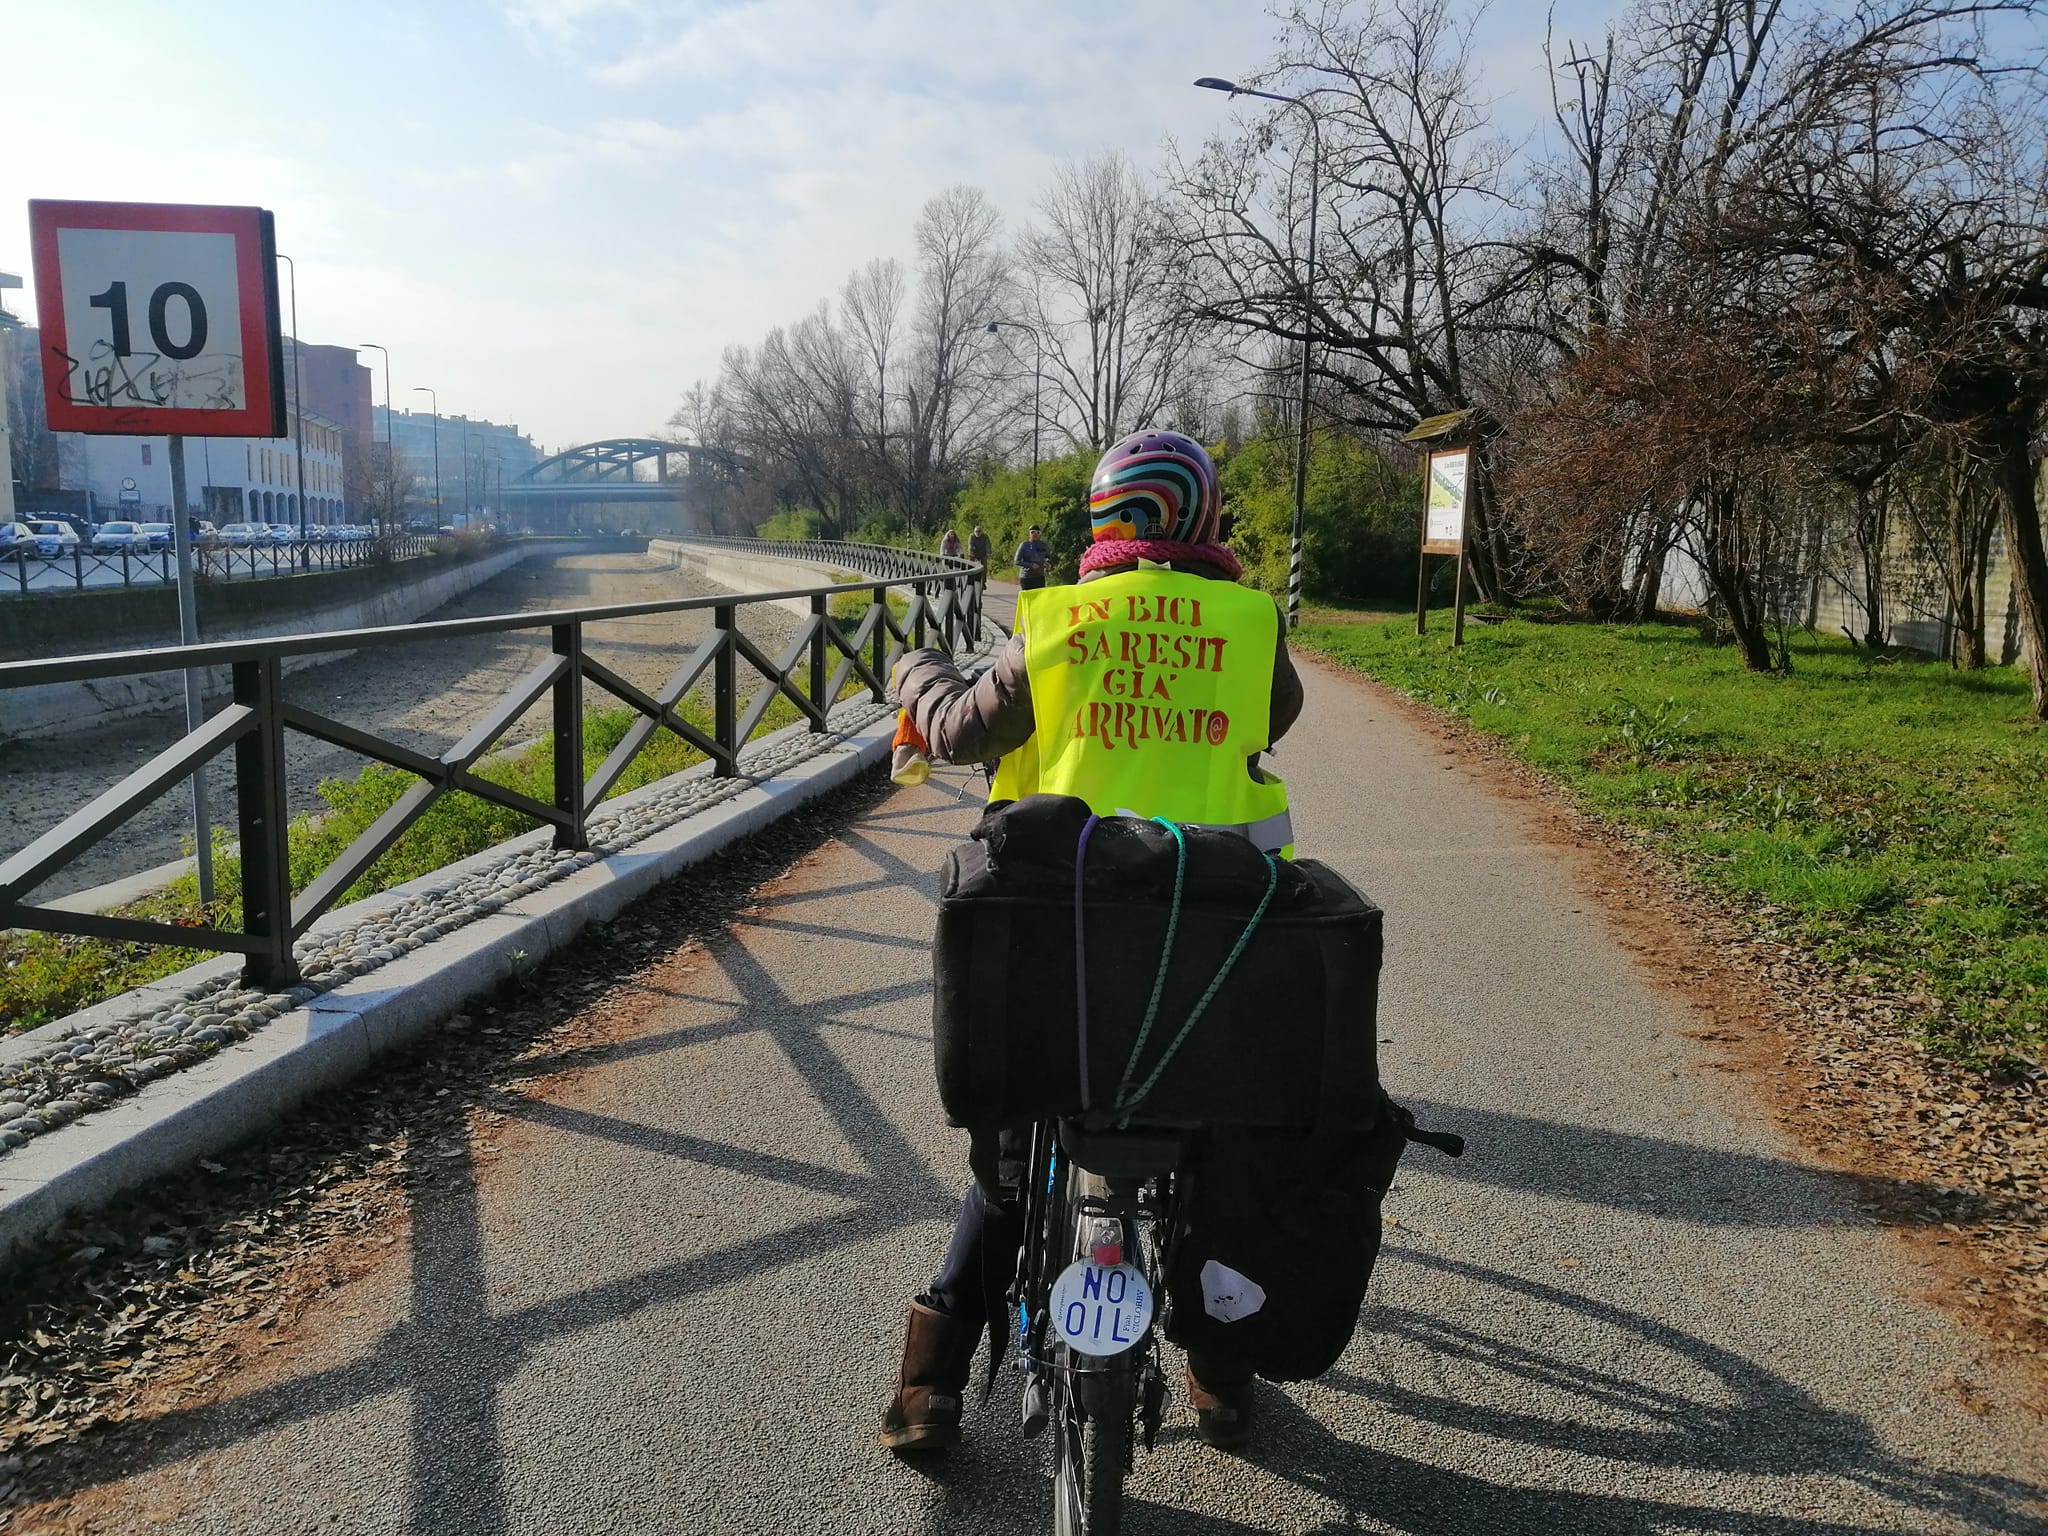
[[967, 720], [1287, 696]]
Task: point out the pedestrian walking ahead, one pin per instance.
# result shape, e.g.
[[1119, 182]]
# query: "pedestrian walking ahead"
[[1033, 561]]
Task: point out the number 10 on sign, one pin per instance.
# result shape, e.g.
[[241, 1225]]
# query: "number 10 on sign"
[[158, 318]]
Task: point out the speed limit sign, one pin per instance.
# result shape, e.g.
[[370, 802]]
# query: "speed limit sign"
[[158, 318]]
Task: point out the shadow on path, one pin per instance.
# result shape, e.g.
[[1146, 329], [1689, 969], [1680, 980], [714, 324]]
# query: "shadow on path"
[[1654, 1176], [455, 1355]]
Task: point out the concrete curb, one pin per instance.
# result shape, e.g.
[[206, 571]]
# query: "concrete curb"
[[210, 1106]]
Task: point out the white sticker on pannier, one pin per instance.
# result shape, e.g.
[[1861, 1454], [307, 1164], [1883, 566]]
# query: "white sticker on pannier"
[[1227, 1295]]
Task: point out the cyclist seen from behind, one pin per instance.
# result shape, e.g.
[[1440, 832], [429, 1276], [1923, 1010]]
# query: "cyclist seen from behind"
[[1150, 688]]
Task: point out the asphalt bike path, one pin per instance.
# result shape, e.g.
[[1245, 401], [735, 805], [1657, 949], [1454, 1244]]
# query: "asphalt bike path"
[[668, 1296]]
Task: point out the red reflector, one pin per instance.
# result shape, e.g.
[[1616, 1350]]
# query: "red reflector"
[[1109, 1253]]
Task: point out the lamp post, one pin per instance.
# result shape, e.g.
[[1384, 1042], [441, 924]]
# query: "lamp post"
[[1315, 169], [7, 280], [390, 457], [1037, 374], [298, 404], [427, 390]]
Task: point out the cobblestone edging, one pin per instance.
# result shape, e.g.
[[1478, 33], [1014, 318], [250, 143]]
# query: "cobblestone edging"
[[84, 1070]]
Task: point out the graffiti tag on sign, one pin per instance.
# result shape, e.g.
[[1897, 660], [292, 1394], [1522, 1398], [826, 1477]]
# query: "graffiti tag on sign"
[[158, 317]]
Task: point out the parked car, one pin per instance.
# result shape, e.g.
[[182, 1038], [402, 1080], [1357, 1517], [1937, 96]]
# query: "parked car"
[[161, 535], [54, 540], [81, 526], [244, 534], [284, 533], [115, 537], [17, 541]]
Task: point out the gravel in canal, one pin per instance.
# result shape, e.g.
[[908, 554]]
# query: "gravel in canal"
[[421, 696]]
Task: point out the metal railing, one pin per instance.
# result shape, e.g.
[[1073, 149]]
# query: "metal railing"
[[81, 569], [941, 607], [869, 559]]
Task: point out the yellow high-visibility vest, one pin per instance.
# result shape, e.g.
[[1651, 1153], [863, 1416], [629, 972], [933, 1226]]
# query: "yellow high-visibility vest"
[[1150, 691]]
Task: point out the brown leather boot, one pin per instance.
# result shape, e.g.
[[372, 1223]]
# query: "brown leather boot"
[[1222, 1394], [938, 1356]]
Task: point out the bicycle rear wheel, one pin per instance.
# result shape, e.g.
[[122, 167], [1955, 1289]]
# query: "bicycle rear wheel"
[[1091, 1450], [1094, 1403]]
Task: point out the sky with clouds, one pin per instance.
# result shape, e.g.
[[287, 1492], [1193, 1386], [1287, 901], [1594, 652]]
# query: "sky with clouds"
[[559, 212]]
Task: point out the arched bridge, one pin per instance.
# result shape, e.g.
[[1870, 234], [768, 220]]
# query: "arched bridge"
[[674, 484]]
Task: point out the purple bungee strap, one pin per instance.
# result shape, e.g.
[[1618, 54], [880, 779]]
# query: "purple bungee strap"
[[1081, 957]]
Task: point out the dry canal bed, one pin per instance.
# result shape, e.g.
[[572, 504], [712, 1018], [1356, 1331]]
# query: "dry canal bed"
[[421, 696]]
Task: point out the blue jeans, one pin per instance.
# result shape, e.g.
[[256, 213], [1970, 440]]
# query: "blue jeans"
[[981, 1260]]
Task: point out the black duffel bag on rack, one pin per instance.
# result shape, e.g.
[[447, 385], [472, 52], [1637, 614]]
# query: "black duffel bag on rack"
[[1263, 1014]]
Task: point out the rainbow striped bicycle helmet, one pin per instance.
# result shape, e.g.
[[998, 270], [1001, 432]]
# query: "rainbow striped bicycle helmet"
[[1155, 485]]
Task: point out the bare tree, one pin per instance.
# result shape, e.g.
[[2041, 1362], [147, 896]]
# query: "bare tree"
[[951, 394], [1716, 446], [33, 446], [862, 411], [703, 416], [1411, 276], [792, 406], [1950, 514], [1104, 291], [871, 307], [1899, 184]]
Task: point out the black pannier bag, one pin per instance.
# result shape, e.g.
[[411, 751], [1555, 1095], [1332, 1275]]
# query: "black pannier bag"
[[1277, 1235], [1289, 1039]]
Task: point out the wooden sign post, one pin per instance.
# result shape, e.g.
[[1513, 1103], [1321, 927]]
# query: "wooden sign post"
[[1448, 465]]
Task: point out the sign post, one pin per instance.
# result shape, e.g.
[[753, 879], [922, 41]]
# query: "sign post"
[[7, 280], [188, 634], [1446, 477], [162, 319]]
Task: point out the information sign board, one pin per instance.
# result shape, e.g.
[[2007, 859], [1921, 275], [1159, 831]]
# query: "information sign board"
[[158, 318], [1443, 510]]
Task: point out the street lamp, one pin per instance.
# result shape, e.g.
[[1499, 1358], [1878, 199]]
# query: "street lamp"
[[7, 280], [1315, 169], [298, 405], [1037, 374], [422, 389], [390, 456]]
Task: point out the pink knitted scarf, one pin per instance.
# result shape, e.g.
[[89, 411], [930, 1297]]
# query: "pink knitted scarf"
[[1159, 552]]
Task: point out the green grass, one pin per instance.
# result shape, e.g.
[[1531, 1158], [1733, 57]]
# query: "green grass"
[[46, 976], [1342, 610], [849, 608], [1889, 815]]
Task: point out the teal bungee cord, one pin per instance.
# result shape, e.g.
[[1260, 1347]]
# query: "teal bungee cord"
[[1125, 1101]]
